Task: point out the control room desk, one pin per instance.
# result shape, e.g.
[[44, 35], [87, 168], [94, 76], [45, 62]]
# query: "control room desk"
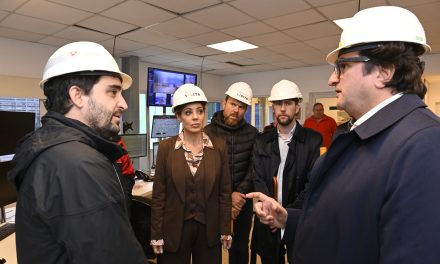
[[7, 249]]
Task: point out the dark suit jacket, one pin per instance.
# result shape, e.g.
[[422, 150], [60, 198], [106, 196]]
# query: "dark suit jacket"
[[303, 151], [167, 210]]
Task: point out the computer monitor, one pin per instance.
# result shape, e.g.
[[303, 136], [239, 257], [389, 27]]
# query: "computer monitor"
[[15, 125], [136, 144], [165, 126]]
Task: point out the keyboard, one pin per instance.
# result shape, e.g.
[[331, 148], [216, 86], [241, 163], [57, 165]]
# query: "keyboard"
[[6, 230]]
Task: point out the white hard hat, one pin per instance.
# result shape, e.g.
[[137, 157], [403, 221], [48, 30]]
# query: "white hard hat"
[[82, 56], [240, 91], [188, 93], [284, 90], [381, 24]]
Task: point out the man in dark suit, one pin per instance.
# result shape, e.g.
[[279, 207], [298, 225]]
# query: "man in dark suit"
[[282, 158], [372, 198]]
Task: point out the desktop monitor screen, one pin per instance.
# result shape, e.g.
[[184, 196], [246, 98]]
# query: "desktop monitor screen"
[[136, 144], [8, 194], [163, 83], [165, 126], [14, 126]]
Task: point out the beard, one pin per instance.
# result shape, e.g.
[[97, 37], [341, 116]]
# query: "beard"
[[285, 122], [101, 120], [230, 121]]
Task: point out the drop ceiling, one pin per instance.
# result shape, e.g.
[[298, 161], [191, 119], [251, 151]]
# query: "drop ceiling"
[[174, 33]]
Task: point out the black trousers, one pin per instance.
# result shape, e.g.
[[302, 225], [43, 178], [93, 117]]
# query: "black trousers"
[[239, 251], [194, 244]]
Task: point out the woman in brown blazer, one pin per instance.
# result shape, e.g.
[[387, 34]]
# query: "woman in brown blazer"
[[191, 208]]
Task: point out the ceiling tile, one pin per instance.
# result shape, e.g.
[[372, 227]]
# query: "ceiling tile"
[[76, 33], [250, 29], [94, 6], [291, 48], [288, 64], [267, 9], [307, 56], [219, 17], [123, 44], [225, 57], [180, 28], [341, 10], [138, 13], [54, 41], [325, 43], [265, 67], [177, 56], [10, 5], [157, 59], [3, 14], [255, 53], [179, 45], [297, 19], [19, 34], [427, 13], [316, 3], [269, 39], [149, 51], [314, 31], [202, 51], [148, 37], [52, 12], [31, 24], [179, 6], [407, 3], [210, 38], [107, 25], [274, 58]]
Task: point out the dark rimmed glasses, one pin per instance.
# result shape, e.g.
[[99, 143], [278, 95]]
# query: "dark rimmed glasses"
[[340, 63]]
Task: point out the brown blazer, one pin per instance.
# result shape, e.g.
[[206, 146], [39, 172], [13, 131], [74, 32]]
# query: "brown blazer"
[[167, 210]]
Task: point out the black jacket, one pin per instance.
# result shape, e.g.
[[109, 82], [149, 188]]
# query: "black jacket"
[[70, 206], [240, 140], [303, 151]]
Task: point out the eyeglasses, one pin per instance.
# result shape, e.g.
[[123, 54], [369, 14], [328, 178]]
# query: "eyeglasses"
[[340, 63]]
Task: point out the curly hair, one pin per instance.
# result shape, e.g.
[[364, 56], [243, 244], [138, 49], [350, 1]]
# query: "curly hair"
[[57, 88], [404, 57]]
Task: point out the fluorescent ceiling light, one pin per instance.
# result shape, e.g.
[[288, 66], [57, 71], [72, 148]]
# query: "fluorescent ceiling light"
[[232, 46], [343, 23]]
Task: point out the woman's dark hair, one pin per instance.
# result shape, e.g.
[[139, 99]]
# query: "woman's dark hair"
[[56, 89], [178, 109], [404, 57]]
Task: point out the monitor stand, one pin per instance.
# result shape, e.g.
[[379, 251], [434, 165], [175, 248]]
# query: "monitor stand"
[[2, 215]]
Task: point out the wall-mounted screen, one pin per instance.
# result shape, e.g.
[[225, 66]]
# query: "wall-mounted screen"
[[136, 144], [163, 83], [165, 126]]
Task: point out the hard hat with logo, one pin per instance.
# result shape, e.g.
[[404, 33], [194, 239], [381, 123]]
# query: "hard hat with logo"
[[188, 93], [284, 90], [240, 91], [82, 56], [381, 24]]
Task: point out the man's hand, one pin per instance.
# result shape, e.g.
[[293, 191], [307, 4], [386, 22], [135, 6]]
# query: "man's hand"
[[238, 201], [269, 211]]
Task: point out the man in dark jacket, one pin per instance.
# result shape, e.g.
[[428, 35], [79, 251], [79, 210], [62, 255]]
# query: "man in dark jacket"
[[70, 206], [372, 198], [281, 160], [240, 137]]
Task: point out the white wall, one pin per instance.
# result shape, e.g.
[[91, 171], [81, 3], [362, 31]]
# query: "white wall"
[[22, 65]]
